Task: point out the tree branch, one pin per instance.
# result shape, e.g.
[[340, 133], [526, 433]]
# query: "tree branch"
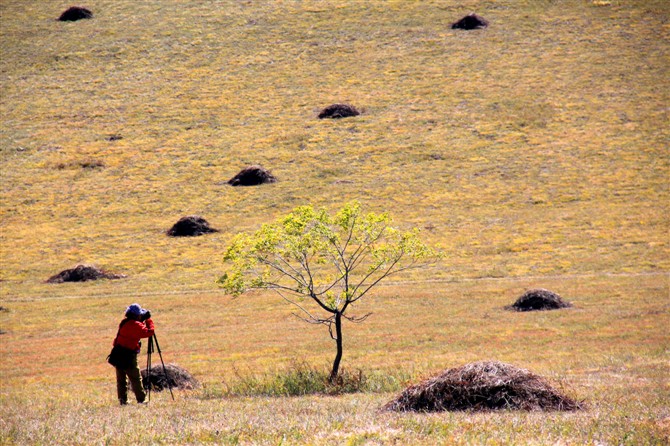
[[305, 264], [357, 320], [281, 270], [387, 273], [287, 263], [297, 305]]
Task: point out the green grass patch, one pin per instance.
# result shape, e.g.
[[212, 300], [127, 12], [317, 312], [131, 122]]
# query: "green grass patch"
[[301, 378]]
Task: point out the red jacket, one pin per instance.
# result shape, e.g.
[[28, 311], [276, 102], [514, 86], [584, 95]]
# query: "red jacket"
[[132, 331]]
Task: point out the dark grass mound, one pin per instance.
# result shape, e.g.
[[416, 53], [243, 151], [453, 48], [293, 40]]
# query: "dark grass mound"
[[482, 386], [190, 226], [470, 21], [538, 300], [82, 273], [90, 164], [75, 13], [336, 111], [177, 378], [252, 176]]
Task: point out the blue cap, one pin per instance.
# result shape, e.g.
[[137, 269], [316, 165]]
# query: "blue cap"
[[135, 311]]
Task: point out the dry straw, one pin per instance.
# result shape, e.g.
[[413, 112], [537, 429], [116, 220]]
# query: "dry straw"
[[82, 273], [75, 13], [190, 226], [173, 376], [470, 21], [539, 299], [336, 111], [252, 176], [481, 386]]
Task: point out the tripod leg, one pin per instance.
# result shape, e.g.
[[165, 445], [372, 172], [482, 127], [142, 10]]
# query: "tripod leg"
[[150, 349], [160, 355]]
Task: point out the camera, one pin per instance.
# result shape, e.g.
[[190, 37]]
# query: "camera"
[[146, 315]]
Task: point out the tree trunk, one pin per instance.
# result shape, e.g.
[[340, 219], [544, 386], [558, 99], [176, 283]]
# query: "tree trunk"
[[338, 339]]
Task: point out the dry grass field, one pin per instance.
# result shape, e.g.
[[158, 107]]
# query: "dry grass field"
[[533, 153]]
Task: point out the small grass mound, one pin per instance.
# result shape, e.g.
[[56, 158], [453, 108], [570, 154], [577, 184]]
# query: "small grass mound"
[[74, 13], [252, 176], [470, 21], [82, 273], [190, 226], [538, 300], [90, 164], [173, 376], [337, 111], [482, 386]]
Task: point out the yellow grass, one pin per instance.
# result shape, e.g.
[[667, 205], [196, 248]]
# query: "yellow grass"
[[533, 153]]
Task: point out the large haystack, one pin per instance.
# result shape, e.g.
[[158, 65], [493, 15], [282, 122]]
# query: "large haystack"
[[252, 176], [82, 273], [190, 226], [486, 385], [175, 376], [75, 13], [470, 21], [337, 111], [538, 300]]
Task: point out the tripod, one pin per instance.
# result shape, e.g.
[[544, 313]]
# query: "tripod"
[[150, 350]]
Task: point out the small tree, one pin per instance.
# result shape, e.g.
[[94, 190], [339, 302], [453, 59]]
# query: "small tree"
[[331, 261]]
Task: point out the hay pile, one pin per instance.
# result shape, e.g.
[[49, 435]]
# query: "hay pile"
[[74, 13], [336, 111], [190, 226], [82, 273], [470, 21], [486, 385], [252, 176], [538, 300], [177, 378]]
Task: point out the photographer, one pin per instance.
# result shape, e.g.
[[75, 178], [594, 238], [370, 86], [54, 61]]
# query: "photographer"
[[136, 325]]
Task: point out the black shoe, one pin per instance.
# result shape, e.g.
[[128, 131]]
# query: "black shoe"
[[123, 403]]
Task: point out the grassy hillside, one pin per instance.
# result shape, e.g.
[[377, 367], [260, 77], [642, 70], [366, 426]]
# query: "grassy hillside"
[[532, 153]]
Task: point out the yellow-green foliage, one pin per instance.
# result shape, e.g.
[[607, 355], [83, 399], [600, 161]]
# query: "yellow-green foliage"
[[533, 149]]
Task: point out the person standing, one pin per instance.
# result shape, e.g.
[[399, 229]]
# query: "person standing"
[[136, 325]]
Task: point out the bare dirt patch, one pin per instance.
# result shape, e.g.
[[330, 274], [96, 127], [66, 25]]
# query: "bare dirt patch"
[[482, 386]]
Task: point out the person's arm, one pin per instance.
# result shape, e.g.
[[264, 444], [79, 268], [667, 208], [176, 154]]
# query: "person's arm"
[[142, 329], [149, 324]]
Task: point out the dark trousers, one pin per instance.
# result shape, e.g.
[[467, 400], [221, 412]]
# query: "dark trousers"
[[133, 374]]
